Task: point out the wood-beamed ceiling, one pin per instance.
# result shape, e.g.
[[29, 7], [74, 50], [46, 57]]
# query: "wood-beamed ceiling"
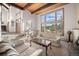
[[17, 6], [43, 7], [34, 7], [50, 8], [27, 5], [21, 4]]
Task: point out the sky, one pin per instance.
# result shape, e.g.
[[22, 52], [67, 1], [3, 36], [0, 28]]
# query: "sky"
[[51, 16]]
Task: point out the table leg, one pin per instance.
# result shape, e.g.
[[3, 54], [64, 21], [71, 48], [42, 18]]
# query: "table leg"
[[50, 46], [46, 51], [30, 44]]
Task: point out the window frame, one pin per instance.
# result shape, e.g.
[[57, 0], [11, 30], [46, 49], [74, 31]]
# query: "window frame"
[[55, 23]]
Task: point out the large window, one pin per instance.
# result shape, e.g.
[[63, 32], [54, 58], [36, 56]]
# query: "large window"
[[53, 21], [50, 18]]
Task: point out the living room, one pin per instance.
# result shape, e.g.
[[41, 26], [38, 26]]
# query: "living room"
[[39, 29]]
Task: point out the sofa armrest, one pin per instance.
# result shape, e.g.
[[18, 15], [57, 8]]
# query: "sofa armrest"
[[37, 53]]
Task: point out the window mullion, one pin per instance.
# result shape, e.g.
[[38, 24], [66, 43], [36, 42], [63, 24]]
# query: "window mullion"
[[55, 22], [40, 24], [45, 24], [63, 23]]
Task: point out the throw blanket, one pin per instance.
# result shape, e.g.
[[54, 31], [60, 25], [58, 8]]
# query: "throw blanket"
[[7, 50]]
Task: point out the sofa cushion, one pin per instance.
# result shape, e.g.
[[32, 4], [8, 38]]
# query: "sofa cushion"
[[21, 48], [18, 42], [28, 51]]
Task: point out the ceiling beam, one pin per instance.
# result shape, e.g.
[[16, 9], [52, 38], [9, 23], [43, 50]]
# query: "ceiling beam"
[[27, 5], [13, 4], [43, 7], [5, 5], [21, 4], [36, 6], [50, 8]]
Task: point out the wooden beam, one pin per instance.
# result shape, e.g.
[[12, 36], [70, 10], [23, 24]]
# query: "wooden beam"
[[21, 4], [63, 22], [40, 24], [27, 5], [45, 24], [50, 8], [43, 7], [5, 5], [13, 4], [36, 6]]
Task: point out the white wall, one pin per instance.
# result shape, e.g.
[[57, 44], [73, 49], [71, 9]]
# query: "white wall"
[[38, 26], [0, 23], [69, 18], [12, 17], [27, 18], [4, 15], [77, 12], [13, 11], [34, 22]]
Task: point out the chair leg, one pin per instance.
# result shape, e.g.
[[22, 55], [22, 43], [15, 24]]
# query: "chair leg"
[[30, 44], [50, 46]]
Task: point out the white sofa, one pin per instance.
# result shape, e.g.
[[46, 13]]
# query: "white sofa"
[[19, 48]]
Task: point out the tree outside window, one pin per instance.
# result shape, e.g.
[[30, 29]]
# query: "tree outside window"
[[53, 21]]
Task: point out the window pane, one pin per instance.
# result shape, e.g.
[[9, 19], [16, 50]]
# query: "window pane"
[[59, 15], [59, 26], [50, 18], [43, 19], [4, 15]]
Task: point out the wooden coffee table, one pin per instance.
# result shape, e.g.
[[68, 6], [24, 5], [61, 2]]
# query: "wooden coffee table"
[[43, 42]]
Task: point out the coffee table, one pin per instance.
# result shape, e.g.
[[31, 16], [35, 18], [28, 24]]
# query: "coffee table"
[[43, 42]]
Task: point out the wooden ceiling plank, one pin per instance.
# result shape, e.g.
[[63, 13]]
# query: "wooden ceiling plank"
[[45, 6], [36, 6], [21, 4], [49, 8], [27, 5], [13, 4]]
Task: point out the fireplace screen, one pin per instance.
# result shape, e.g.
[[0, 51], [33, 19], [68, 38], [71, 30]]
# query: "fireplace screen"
[[3, 28]]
